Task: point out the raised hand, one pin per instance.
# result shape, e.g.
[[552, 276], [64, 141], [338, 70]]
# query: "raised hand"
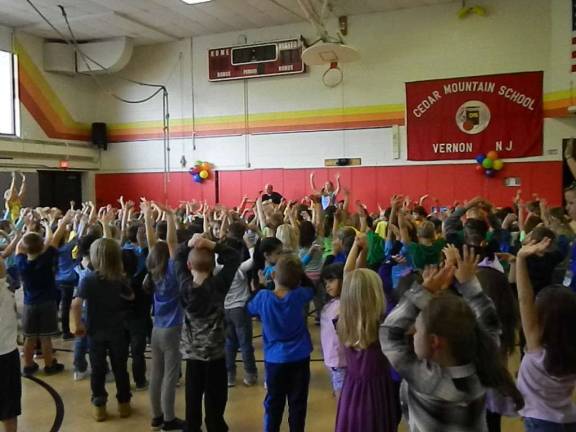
[[107, 216], [534, 248], [435, 280], [518, 197], [164, 208], [466, 265], [195, 239], [396, 200], [509, 220], [452, 255], [146, 208], [361, 241]]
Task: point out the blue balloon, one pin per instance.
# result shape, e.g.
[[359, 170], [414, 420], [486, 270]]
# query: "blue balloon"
[[489, 173], [197, 178], [480, 158]]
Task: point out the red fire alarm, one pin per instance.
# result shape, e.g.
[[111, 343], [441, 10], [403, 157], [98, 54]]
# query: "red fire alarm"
[[64, 164]]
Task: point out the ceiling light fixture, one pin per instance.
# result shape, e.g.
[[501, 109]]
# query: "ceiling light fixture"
[[191, 2]]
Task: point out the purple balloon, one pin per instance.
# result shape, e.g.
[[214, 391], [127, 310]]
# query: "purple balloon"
[[489, 173]]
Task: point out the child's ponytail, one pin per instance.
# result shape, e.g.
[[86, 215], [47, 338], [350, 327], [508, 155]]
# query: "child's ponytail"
[[491, 369]]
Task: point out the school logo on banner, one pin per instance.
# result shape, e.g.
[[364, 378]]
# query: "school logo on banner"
[[460, 118]]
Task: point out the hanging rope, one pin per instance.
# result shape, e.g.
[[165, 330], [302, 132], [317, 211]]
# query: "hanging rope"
[[73, 42]]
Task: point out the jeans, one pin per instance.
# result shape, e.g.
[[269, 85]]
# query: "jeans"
[[66, 292], [117, 348], [239, 336], [137, 334], [164, 370], [536, 425], [206, 379], [286, 381], [80, 351]]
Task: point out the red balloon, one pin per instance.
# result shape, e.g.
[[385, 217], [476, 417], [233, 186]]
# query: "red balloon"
[[479, 169]]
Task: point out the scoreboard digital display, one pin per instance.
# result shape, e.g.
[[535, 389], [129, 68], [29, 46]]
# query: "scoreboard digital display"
[[256, 61]]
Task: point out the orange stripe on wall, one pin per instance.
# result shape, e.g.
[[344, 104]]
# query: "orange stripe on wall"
[[42, 110]]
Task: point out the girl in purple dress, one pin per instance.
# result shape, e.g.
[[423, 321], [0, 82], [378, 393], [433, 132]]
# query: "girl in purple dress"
[[367, 402]]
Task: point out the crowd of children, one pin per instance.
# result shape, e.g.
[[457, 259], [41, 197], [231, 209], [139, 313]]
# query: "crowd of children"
[[419, 310]]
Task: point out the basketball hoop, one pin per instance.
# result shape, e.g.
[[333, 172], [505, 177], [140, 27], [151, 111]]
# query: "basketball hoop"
[[330, 53], [332, 76]]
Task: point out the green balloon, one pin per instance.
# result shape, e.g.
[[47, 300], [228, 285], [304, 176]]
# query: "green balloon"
[[487, 163]]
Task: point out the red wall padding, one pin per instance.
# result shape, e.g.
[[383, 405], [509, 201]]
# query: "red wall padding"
[[371, 185], [109, 187]]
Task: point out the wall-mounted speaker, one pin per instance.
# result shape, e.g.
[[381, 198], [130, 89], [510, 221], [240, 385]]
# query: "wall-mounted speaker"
[[100, 135]]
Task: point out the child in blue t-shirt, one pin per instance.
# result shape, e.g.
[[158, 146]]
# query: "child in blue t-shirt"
[[35, 257], [287, 344]]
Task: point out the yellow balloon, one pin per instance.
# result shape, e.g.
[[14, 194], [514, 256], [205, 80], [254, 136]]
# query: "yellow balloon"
[[498, 164], [204, 174]]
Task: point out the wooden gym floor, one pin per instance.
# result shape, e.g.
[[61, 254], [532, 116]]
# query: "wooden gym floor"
[[244, 411]]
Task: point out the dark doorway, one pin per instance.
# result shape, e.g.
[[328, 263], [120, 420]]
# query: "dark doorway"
[[58, 188]]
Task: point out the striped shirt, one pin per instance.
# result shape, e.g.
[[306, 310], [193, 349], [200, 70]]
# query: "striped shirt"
[[435, 398]]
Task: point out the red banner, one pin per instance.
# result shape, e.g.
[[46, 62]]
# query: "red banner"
[[460, 118]]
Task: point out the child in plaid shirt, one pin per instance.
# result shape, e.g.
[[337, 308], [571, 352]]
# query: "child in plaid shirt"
[[454, 357]]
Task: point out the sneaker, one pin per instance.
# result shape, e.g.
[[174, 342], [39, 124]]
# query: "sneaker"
[[231, 380], [157, 423], [28, 371], [68, 336], [79, 376], [141, 387], [99, 413], [175, 425], [125, 409], [250, 380], [54, 368]]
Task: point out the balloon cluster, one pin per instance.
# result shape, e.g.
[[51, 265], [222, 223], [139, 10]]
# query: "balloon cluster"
[[200, 171], [489, 164]]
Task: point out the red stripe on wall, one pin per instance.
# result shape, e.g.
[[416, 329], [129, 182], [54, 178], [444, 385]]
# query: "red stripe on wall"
[[371, 185]]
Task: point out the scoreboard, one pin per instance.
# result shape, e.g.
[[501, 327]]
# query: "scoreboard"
[[256, 61]]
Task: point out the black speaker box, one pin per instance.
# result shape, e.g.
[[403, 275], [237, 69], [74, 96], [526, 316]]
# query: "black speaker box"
[[100, 135]]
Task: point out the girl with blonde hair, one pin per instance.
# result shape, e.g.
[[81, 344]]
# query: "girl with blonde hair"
[[368, 401]]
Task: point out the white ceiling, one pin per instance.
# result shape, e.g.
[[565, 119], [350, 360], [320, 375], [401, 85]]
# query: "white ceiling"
[[151, 21]]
